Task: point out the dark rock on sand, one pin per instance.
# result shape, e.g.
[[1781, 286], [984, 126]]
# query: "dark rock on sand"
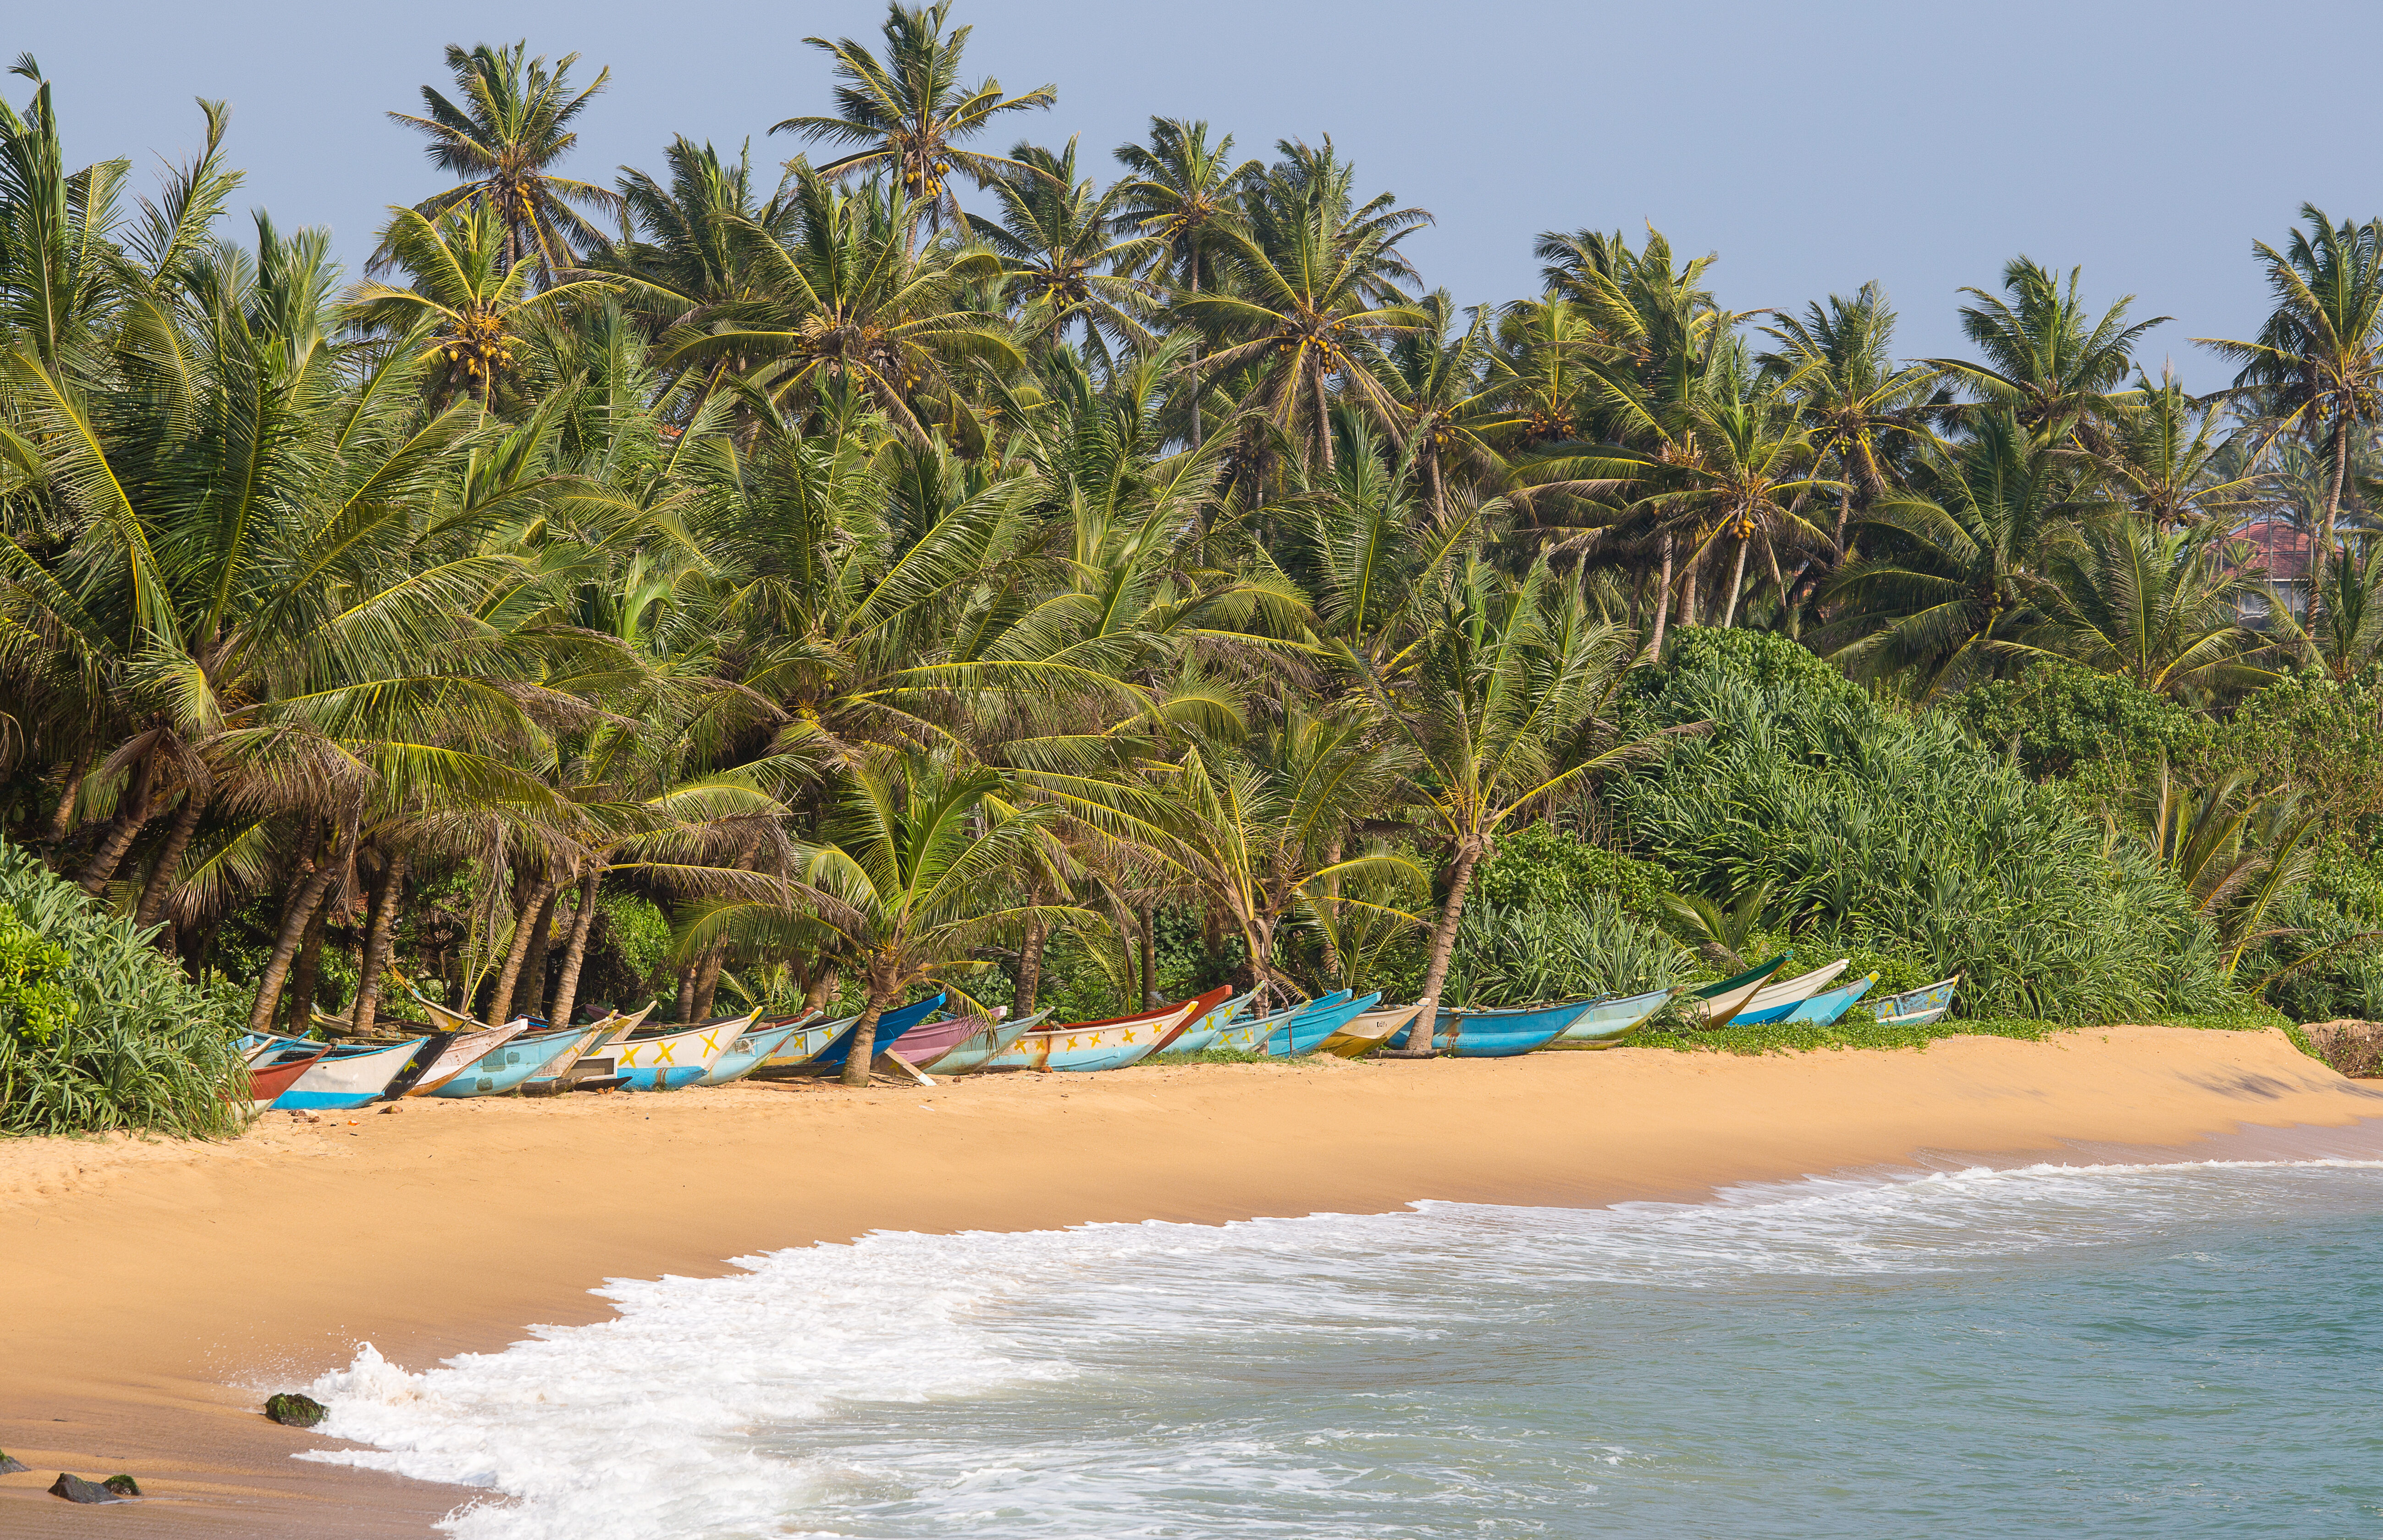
[[2355, 1048], [122, 1485], [74, 1489], [10, 1464], [296, 1411]]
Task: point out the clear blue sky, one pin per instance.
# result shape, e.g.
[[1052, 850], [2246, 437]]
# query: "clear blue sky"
[[1813, 146]]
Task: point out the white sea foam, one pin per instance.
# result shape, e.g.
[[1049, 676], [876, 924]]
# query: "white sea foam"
[[771, 1402]]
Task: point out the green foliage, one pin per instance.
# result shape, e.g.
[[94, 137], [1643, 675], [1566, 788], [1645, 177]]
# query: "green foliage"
[[2068, 720], [1541, 866], [98, 1030], [1863, 1031], [1762, 658], [1518, 954], [1902, 836], [639, 931]]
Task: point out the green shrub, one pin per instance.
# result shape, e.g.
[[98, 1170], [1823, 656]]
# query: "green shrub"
[[2067, 720], [1541, 866], [1902, 836], [1525, 954], [98, 1030]]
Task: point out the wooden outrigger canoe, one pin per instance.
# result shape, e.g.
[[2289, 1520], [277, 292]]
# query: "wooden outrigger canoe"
[[824, 1045], [1500, 1034], [751, 1050], [595, 1059], [1306, 1031], [974, 1051], [350, 1076], [1607, 1022], [525, 1058], [274, 1071], [1195, 1010], [1250, 1035], [1824, 1009], [1200, 1031], [672, 1060], [460, 1052], [1918, 1007], [1369, 1029], [1717, 1004], [1086, 1046], [1776, 1001]]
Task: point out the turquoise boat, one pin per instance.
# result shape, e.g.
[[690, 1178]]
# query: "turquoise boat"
[[1824, 1009], [1498, 1034], [1607, 1022], [1918, 1007], [1249, 1037], [523, 1059], [673, 1061], [1306, 1031], [745, 1056], [1086, 1047], [1203, 1033], [1715, 1005], [973, 1053]]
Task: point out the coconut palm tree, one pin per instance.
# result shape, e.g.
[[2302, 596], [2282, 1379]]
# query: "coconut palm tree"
[[2157, 607], [513, 125], [1862, 411], [2170, 459], [2319, 355], [1065, 258], [906, 112], [2047, 359]]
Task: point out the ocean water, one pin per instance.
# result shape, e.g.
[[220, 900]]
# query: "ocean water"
[[2171, 1351]]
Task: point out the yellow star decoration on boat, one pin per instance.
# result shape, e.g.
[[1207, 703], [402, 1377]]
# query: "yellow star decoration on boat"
[[1128, 1036], [1071, 1042]]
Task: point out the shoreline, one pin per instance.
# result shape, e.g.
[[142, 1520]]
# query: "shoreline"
[[159, 1291]]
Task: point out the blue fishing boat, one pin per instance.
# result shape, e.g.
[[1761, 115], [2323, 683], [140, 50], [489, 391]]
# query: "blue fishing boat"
[[505, 1068], [890, 1028], [1918, 1007], [1249, 1037], [1777, 1002], [1824, 1009], [746, 1053], [1498, 1034], [1607, 1022], [1203, 1033], [1306, 1031]]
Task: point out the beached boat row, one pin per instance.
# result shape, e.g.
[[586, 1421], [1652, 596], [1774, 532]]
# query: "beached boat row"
[[466, 1058]]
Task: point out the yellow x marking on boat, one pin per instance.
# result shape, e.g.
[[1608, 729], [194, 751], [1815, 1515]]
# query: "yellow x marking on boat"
[[711, 1042], [662, 1052], [1071, 1042]]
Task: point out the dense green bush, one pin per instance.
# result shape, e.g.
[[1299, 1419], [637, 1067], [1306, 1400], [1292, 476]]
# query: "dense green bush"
[[1868, 828], [2065, 720], [1541, 866], [98, 1030], [1523, 954]]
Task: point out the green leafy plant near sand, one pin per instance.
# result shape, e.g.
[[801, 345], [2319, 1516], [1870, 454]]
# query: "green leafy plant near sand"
[[98, 1030], [1860, 1030]]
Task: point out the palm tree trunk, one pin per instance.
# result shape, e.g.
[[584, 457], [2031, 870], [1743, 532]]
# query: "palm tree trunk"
[[1688, 590], [61, 815], [293, 925], [1736, 581], [881, 993], [1443, 948], [500, 1003], [1199, 429], [707, 979], [1663, 604], [388, 895], [684, 1004], [822, 989], [530, 988], [2323, 556], [177, 840], [1149, 957], [575, 954], [300, 1018], [1029, 963], [130, 820]]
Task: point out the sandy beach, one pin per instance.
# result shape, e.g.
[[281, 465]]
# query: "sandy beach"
[[157, 1292]]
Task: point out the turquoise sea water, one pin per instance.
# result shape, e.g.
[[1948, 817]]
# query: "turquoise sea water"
[[2118, 1349]]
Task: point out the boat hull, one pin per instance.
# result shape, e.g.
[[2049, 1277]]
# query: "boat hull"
[[1918, 1007], [1251, 1036], [749, 1051], [1202, 1031], [1308, 1031], [506, 1068], [338, 1083], [1822, 1010], [1718, 1003], [1370, 1030], [673, 1061], [1606, 1022], [462, 1051], [973, 1053], [1085, 1048], [1499, 1034]]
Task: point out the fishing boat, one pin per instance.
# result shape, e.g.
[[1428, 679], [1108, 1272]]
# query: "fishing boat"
[[593, 1061], [1309, 1030], [1201, 1031], [352, 1076], [1918, 1007], [674, 1060], [1363, 1033], [930, 1041], [1501, 1033], [525, 1058], [1195, 1012], [277, 1071], [974, 1051], [1250, 1035], [1084, 1046], [1715, 1005], [1822, 1010], [824, 1047], [1775, 1002], [460, 1051], [1607, 1022], [747, 1053]]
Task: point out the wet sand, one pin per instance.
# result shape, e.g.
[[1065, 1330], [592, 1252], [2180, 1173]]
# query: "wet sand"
[[155, 1292]]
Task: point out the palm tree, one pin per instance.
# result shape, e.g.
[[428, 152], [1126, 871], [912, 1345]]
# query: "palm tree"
[[910, 875], [1447, 398], [2046, 358], [907, 113], [1183, 194], [2169, 461], [514, 124], [689, 264], [2159, 608], [1862, 411], [2319, 356], [468, 304], [1497, 706], [1064, 261]]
